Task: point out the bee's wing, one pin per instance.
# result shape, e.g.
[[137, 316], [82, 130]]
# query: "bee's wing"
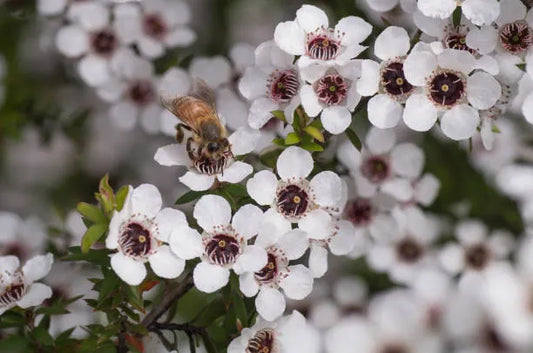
[[203, 92]]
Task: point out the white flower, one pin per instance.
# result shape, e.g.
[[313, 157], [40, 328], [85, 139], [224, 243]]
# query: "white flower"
[[452, 90], [91, 38], [286, 335], [56, 7], [138, 233], [386, 79], [388, 5], [17, 287], [333, 95], [223, 245], [154, 26], [382, 166], [320, 46], [476, 249], [272, 84], [294, 197], [23, 238], [480, 12], [296, 281], [242, 142]]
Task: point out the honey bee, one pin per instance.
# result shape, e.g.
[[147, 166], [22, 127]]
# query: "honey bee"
[[208, 146]]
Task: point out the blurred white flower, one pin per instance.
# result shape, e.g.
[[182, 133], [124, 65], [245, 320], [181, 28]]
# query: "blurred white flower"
[[139, 232], [223, 245], [18, 287], [22, 238], [480, 12]]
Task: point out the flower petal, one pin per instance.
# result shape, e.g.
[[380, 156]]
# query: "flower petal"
[[146, 200], [167, 220], [186, 243], [326, 188], [273, 227], [165, 264], [460, 122], [270, 303], [209, 278], [293, 243], [419, 113], [368, 83], [290, 37], [9, 263], [94, 70], [196, 181], [311, 18], [299, 282], [37, 267], [426, 189], [294, 162], [481, 12], [310, 101], [407, 160], [392, 42], [253, 259], [212, 211], [236, 172], [248, 285], [380, 141], [355, 30], [336, 119], [432, 26], [72, 41], [318, 260], [384, 112], [130, 271], [317, 224], [343, 241], [243, 140], [36, 294], [262, 187], [418, 65], [246, 220], [483, 90], [482, 39], [437, 8]]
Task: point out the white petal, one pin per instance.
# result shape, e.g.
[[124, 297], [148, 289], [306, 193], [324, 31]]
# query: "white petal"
[[123, 115], [37, 267], [293, 243], [196, 181], [244, 140], [471, 232], [214, 71], [130, 271], [432, 26], [514, 10], [418, 65], [180, 37], [9, 263], [294, 162], [317, 224], [299, 282], [175, 82], [310, 18], [348, 155], [94, 70], [368, 83], [165, 264], [451, 258], [51, 7], [253, 259], [310, 101], [290, 37], [393, 41], [355, 29], [186, 243], [482, 39], [91, 16], [242, 55], [382, 5], [400, 188], [273, 226], [150, 48], [248, 285], [236, 172], [72, 41], [150, 121], [209, 278], [458, 60], [146, 200], [167, 220], [489, 64], [460, 122], [437, 8], [246, 220], [270, 303], [527, 108], [384, 112], [336, 119], [253, 82], [318, 260], [419, 113], [407, 160], [481, 12], [379, 141], [212, 211], [37, 293], [483, 91], [344, 241], [262, 187], [327, 188], [311, 69], [427, 189]]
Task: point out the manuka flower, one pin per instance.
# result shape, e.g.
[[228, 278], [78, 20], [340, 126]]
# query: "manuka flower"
[[138, 233], [223, 245], [320, 46], [480, 12], [17, 287]]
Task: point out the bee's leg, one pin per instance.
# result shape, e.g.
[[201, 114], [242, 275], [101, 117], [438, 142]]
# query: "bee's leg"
[[179, 131], [200, 149], [190, 149]]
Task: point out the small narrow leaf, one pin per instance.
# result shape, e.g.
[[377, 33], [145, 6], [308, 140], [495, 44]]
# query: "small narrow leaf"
[[457, 16], [354, 139], [91, 212], [312, 147], [279, 114], [190, 196], [292, 138], [495, 129], [279, 141], [120, 197], [316, 133], [92, 235]]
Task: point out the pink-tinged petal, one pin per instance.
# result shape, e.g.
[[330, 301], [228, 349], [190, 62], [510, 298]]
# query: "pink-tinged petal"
[[209, 278], [293, 243], [392, 42], [432, 26], [196, 181], [457, 60], [272, 228], [460, 122], [481, 12], [311, 18], [318, 224], [94, 70], [130, 271], [146, 200], [270, 303], [437, 8], [294, 162], [380, 141], [165, 264], [290, 37], [212, 211], [407, 160], [299, 282], [9, 263], [419, 113], [483, 39], [399, 188]]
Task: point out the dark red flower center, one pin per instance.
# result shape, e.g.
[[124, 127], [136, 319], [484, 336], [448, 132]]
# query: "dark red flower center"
[[223, 249], [393, 80], [135, 240], [331, 89], [359, 212], [104, 42], [292, 200], [447, 88], [516, 37], [283, 86], [376, 169]]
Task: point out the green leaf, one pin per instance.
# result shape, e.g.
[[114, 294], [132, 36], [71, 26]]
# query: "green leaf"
[[279, 114], [292, 138], [316, 133], [495, 129], [107, 195], [354, 139], [42, 336], [14, 344], [521, 67], [279, 142], [312, 147], [91, 212], [236, 190], [190, 196], [269, 158], [100, 257], [92, 235], [457, 16], [120, 197]]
